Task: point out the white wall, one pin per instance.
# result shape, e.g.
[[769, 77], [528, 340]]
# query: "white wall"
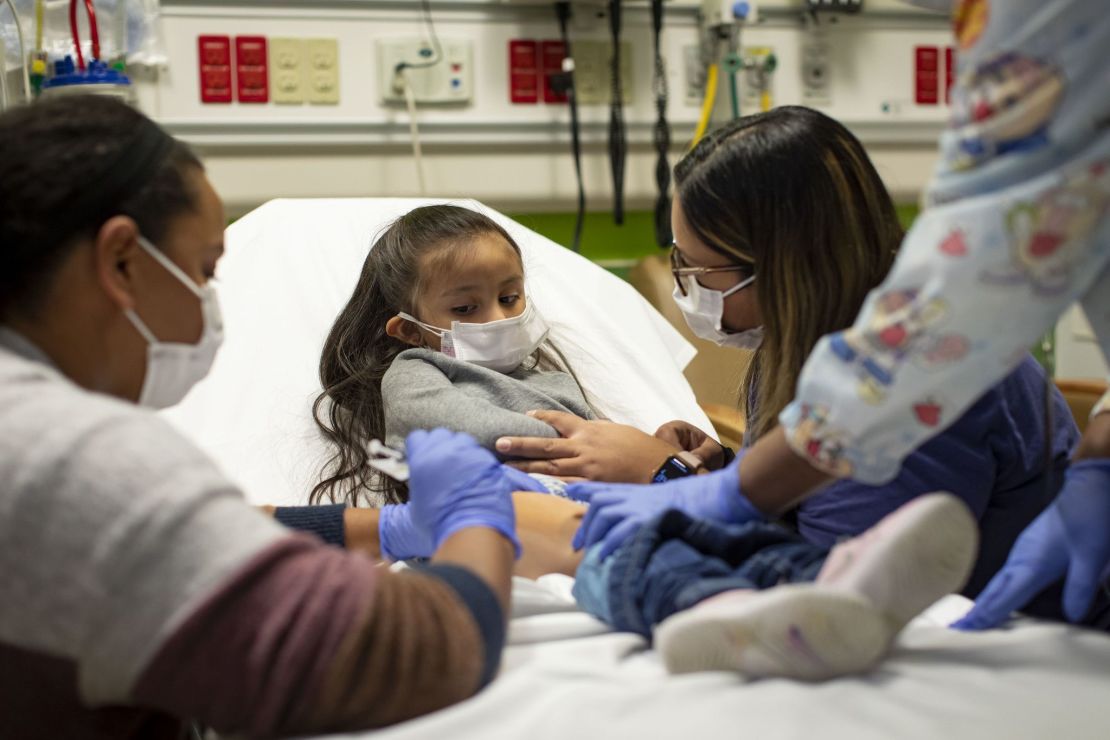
[[510, 156]]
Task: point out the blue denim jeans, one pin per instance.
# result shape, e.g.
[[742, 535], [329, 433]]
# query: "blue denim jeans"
[[676, 561]]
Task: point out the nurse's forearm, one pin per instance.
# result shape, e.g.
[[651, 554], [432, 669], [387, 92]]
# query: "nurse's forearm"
[[487, 554], [352, 528], [316, 639], [773, 477]]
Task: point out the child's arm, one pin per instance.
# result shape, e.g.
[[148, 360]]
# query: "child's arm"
[[417, 395]]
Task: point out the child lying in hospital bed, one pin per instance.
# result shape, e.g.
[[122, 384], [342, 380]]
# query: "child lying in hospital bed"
[[438, 333], [756, 598]]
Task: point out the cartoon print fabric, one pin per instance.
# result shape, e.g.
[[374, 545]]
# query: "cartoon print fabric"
[[1015, 230]]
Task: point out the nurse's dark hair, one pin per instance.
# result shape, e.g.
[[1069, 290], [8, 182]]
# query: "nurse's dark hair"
[[52, 154], [792, 194], [357, 353]]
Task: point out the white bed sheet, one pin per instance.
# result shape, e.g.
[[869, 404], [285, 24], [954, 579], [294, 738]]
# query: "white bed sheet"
[[290, 267], [566, 676]]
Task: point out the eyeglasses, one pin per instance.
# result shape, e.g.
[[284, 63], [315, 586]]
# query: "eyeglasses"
[[679, 269]]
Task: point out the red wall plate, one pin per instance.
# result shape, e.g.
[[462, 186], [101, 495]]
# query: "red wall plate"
[[524, 71], [251, 73], [926, 75], [949, 72], [214, 57]]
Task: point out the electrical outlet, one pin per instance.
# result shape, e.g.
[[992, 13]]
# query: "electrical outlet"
[[592, 66], [287, 62], [323, 71], [816, 84]]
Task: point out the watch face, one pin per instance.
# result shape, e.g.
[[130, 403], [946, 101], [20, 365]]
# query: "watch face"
[[673, 468]]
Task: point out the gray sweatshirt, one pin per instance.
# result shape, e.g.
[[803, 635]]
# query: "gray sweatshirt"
[[424, 389]]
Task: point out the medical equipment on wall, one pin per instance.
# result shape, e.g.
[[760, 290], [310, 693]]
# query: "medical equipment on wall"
[[760, 64], [618, 141], [94, 76], [563, 83], [836, 6], [661, 134], [71, 53], [430, 55], [22, 59], [3, 81], [721, 23], [129, 33]]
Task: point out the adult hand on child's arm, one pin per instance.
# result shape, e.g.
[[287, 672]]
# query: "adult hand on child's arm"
[[595, 450]]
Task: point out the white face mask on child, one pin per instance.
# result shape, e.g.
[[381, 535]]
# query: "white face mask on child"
[[497, 345]]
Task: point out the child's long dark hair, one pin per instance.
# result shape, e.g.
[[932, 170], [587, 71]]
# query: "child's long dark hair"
[[357, 352]]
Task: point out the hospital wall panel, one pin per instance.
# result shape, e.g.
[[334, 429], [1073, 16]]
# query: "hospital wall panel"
[[516, 157], [513, 155]]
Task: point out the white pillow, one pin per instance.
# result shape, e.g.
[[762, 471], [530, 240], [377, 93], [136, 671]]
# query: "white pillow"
[[291, 266]]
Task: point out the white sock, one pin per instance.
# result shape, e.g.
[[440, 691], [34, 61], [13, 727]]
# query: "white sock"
[[910, 559], [799, 631], [868, 590]]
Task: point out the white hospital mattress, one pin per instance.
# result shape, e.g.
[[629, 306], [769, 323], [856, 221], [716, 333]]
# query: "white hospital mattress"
[[290, 267], [565, 676]]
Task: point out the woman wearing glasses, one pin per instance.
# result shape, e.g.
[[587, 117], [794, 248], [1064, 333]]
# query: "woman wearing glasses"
[[782, 228]]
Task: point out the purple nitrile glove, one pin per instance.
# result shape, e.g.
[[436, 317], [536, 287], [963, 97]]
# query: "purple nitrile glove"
[[455, 484], [400, 539], [618, 510], [1071, 537]]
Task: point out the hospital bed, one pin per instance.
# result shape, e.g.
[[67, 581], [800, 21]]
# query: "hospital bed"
[[290, 267]]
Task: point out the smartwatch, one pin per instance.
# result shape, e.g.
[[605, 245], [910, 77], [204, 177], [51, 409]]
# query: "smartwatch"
[[679, 465]]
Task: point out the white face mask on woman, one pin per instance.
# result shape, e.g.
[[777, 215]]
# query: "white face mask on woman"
[[498, 345], [172, 368], [703, 308]]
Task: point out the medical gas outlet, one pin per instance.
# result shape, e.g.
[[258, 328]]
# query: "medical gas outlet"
[[433, 73]]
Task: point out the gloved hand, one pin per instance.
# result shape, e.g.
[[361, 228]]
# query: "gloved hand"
[[1071, 536], [455, 484], [400, 539], [618, 510]]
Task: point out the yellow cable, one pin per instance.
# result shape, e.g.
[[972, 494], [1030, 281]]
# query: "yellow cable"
[[707, 105], [765, 100], [38, 24]]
